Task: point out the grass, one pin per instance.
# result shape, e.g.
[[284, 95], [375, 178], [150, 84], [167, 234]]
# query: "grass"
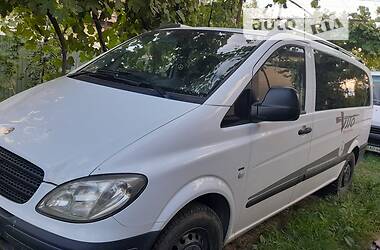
[[351, 221]]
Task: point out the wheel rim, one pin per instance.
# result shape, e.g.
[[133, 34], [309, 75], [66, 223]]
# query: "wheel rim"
[[194, 239], [347, 175]]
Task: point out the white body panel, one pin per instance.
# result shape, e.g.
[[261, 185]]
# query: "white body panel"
[[73, 129], [68, 123]]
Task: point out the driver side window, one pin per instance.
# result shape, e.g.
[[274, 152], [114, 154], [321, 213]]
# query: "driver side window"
[[284, 68]]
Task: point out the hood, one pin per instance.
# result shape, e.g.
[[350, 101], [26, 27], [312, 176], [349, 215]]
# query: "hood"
[[376, 116], [68, 127]]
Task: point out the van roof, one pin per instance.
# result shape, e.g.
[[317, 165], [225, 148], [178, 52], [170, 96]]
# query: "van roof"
[[375, 73]]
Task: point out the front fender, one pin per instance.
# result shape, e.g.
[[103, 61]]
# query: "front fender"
[[191, 191]]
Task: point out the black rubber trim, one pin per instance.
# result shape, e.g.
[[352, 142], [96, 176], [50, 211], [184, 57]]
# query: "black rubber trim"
[[278, 189], [18, 234], [319, 166]]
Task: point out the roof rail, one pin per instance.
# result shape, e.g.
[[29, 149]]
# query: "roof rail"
[[327, 43], [334, 46]]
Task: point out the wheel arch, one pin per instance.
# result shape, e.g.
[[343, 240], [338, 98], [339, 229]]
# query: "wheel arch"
[[356, 151], [219, 204], [354, 148], [210, 191]]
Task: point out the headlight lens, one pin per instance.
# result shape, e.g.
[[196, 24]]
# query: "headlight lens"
[[92, 198]]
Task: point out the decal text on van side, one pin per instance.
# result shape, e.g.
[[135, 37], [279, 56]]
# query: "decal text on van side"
[[346, 121]]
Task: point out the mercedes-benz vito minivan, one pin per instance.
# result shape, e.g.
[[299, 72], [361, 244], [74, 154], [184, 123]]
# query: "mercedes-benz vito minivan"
[[180, 138], [374, 136]]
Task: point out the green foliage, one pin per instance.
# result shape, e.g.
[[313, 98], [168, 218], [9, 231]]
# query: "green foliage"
[[216, 14], [8, 63], [75, 26], [37, 40], [364, 38]]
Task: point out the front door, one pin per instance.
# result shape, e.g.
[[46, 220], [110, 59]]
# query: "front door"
[[279, 149]]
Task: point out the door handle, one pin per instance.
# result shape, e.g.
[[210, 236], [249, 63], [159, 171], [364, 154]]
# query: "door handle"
[[304, 130]]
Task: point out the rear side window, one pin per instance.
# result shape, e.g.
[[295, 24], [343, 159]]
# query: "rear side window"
[[339, 83]]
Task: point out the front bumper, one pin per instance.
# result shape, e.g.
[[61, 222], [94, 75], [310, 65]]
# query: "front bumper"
[[18, 234]]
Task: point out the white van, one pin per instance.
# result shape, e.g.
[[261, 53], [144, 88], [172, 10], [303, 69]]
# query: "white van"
[[374, 136], [180, 138]]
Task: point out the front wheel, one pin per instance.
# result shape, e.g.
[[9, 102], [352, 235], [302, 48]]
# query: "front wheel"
[[196, 227]]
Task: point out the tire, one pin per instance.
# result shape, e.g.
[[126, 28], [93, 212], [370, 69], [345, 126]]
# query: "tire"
[[344, 182], [196, 227]]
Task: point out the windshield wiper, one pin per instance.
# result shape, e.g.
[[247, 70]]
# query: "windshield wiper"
[[156, 88], [115, 76], [79, 73], [100, 72], [139, 83]]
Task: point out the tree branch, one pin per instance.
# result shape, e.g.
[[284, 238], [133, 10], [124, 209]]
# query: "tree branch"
[[99, 30], [240, 9], [209, 18], [61, 39]]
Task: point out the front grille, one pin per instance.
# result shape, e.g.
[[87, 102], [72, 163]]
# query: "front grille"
[[19, 179], [375, 130]]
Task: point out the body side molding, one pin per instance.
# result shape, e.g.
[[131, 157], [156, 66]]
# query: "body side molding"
[[323, 164]]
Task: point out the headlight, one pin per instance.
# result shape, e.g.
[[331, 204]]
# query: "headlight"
[[92, 198]]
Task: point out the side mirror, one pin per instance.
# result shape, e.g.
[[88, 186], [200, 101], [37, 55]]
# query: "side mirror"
[[279, 104]]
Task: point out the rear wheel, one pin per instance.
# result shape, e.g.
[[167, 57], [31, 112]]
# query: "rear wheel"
[[196, 227], [344, 181]]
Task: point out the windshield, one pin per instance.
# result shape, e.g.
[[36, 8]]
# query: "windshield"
[[376, 90], [178, 61]]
